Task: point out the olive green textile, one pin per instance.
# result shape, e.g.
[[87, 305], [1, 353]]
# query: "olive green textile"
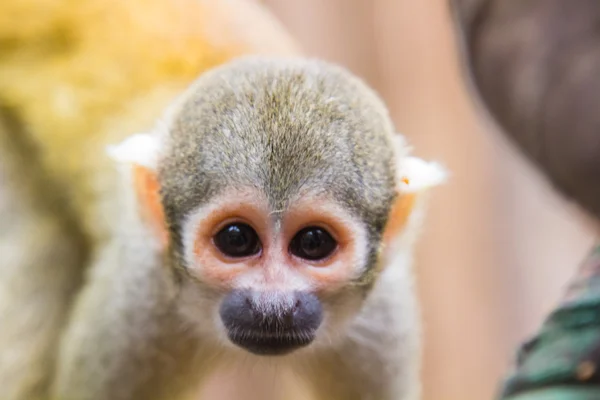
[[562, 362]]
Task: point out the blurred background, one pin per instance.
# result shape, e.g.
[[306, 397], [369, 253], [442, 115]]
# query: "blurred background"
[[499, 245]]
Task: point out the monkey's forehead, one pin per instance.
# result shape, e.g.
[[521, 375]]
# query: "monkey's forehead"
[[281, 176], [282, 126], [279, 93], [290, 115]]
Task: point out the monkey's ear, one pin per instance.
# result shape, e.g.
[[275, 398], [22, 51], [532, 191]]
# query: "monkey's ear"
[[139, 155], [415, 177], [141, 149]]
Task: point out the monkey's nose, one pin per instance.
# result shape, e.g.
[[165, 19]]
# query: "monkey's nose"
[[271, 323]]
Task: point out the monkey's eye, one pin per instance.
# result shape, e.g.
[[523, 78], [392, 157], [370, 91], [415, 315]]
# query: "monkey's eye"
[[312, 243], [237, 240]]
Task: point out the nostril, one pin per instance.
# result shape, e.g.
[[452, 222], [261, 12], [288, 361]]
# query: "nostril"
[[288, 320], [297, 307], [252, 309]]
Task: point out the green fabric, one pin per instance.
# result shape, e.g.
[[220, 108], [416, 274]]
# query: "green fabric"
[[559, 393], [562, 362]]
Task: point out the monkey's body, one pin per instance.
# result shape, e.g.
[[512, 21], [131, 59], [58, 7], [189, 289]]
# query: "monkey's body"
[[77, 231]]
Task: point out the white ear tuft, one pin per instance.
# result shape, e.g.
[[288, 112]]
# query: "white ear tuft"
[[414, 173], [141, 148], [417, 174]]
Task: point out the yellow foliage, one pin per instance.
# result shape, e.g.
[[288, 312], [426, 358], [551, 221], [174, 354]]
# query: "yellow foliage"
[[79, 74]]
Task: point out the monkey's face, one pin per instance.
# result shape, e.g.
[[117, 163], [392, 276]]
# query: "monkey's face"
[[279, 279], [278, 182]]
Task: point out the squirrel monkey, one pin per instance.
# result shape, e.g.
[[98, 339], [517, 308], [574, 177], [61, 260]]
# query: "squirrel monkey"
[[265, 223]]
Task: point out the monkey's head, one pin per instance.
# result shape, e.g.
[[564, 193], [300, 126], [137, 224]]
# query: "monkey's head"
[[274, 185]]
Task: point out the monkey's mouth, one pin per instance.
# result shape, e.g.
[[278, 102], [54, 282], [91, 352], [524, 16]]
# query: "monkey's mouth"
[[266, 343], [270, 324]]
